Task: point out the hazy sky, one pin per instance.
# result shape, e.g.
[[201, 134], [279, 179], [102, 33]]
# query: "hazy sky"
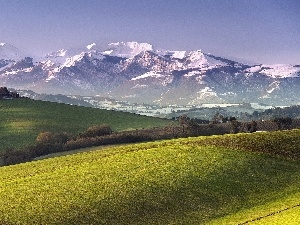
[[264, 31]]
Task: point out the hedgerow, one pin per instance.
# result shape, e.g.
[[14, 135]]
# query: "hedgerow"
[[47, 142]]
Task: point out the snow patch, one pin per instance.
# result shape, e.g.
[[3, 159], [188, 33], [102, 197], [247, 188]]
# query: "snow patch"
[[90, 46], [61, 53], [207, 90], [27, 70], [280, 70], [253, 69], [12, 72], [206, 94], [127, 49], [108, 52], [196, 59], [72, 60], [148, 74], [176, 54], [192, 73], [200, 80], [96, 55], [274, 86], [47, 64], [271, 90], [140, 86], [50, 78]]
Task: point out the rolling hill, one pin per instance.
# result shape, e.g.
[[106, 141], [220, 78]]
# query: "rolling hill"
[[21, 120], [202, 180]]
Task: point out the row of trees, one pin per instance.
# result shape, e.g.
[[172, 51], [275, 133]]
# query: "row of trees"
[[5, 93], [269, 114], [282, 123], [223, 113], [47, 142]]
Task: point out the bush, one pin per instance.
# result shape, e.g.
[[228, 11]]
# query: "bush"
[[96, 131], [47, 142], [46, 138], [13, 156], [283, 122]]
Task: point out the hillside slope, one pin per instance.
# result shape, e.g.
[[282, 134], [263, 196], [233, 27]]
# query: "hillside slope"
[[21, 120], [169, 182]]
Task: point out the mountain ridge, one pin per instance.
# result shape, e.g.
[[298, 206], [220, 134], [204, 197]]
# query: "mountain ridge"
[[138, 72]]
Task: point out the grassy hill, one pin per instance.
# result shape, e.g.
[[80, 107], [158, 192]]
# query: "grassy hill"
[[21, 120], [203, 180]]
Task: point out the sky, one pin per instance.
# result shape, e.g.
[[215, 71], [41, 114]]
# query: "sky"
[[260, 31]]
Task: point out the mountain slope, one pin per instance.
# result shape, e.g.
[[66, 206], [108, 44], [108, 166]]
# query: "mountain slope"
[[138, 72]]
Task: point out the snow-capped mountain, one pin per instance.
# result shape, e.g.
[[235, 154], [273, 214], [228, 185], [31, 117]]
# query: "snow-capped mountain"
[[9, 55], [138, 72], [127, 49], [10, 52]]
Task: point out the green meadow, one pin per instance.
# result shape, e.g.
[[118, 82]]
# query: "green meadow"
[[199, 180], [21, 120]]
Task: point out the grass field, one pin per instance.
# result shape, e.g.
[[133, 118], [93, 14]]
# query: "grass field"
[[168, 182], [21, 120]]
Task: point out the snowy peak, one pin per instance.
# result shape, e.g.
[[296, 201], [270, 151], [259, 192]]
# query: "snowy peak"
[[69, 56], [59, 53], [139, 73], [196, 59], [10, 52], [91, 46], [141, 53], [127, 49], [58, 57]]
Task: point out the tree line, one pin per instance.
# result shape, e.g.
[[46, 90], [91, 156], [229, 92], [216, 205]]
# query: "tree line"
[[48, 142], [5, 93]]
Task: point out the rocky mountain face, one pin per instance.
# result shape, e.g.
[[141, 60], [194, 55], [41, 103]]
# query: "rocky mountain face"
[[137, 72]]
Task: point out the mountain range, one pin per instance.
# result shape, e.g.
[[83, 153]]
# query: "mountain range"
[[138, 72]]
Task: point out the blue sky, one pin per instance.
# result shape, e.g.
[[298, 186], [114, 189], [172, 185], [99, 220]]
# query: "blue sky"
[[263, 31]]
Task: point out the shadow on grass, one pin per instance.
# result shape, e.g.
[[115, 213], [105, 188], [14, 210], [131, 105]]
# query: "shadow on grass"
[[241, 181]]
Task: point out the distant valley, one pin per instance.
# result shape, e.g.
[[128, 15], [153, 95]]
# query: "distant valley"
[[242, 111]]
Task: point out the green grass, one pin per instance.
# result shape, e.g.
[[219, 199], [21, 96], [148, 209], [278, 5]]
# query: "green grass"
[[291, 216], [168, 182], [21, 120]]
